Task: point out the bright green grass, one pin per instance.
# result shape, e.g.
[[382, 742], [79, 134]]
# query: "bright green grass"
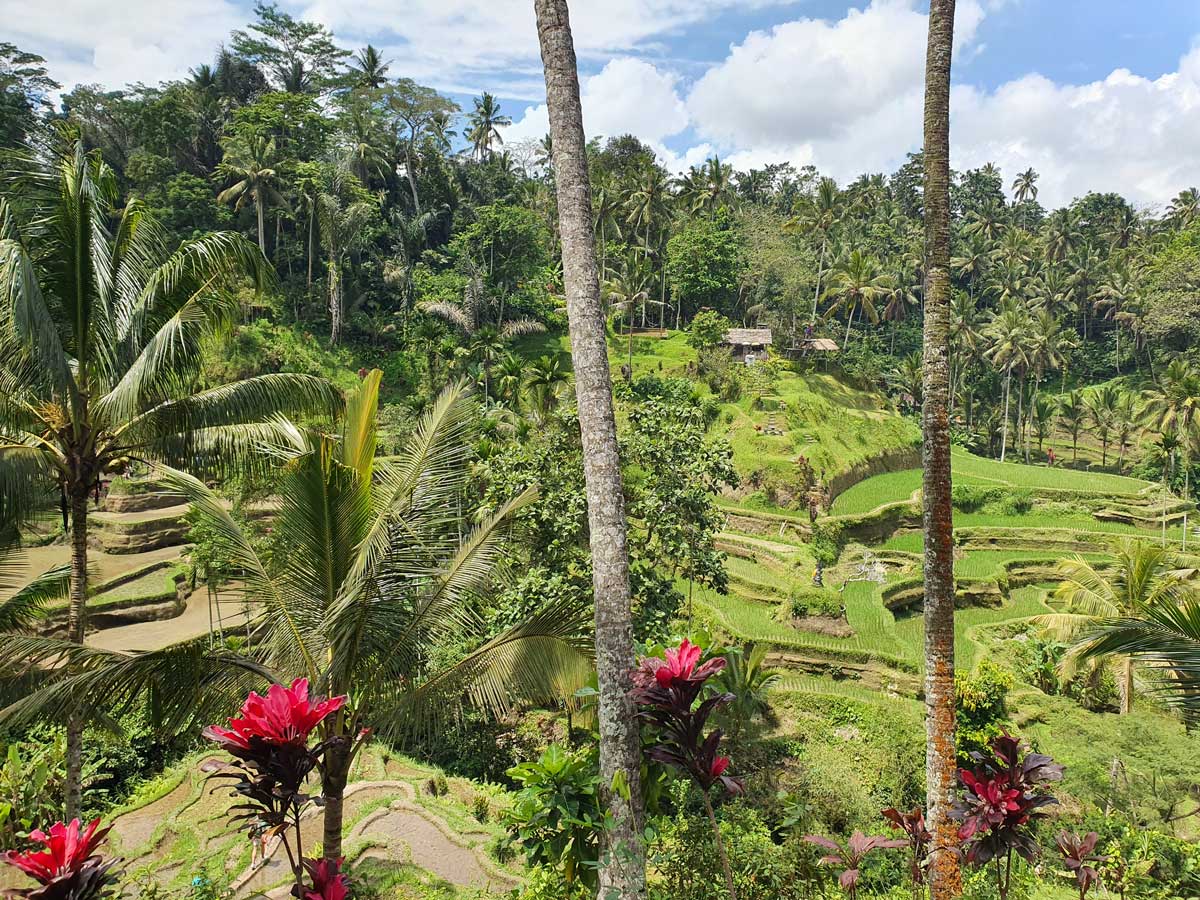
[[871, 493], [1020, 475], [893, 487]]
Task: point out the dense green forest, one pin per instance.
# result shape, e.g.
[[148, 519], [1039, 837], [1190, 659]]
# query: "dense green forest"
[[318, 310]]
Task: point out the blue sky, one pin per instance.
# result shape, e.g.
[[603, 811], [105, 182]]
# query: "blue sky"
[[1095, 94]]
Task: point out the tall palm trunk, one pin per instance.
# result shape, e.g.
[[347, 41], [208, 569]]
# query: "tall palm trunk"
[[1004, 422], [945, 877], [622, 872], [1125, 686], [262, 231], [820, 271], [336, 772], [76, 626]]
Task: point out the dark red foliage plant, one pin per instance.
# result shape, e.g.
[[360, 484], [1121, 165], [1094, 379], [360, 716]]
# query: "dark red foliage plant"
[[328, 881], [1079, 856], [850, 856], [68, 867], [666, 690], [917, 839], [1002, 795], [272, 760]]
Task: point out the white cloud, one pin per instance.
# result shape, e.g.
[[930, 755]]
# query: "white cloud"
[[113, 44], [846, 95], [626, 96]]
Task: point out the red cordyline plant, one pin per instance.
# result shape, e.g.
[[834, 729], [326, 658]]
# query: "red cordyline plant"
[[666, 691], [269, 742], [1002, 795], [917, 840], [328, 881], [69, 868], [1079, 856], [850, 855]]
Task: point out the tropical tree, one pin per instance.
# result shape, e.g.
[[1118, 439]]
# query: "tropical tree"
[[100, 336], [1118, 290], [1025, 186], [484, 124], [1102, 407], [1125, 424], [748, 679], [1072, 414], [547, 375], [622, 871], [344, 210], [856, 282], [479, 310], [945, 876], [820, 213], [1173, 404], [252, 164], [369, 68], [369, 568], [1185, 207], [1165, 636], [1009, 351], [1142, 577], [1043, 409]]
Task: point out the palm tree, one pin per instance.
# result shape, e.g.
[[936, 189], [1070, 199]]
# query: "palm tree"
[[1143, 576], [625, 292], [966, 340], [856, 282], [546, 376], [748, 679], [819, 213], [1125, 424], [1025, 186], [1173, 405], [369, 68], [941, 770], [622, 872], [479, 309], [1165, 636], [1048, 345], [973, 264], [1009, 351], [344, 209], [252, 164], [987, 222], [485, 122], [906, 378], [1185, 207], [712, 189], [1043, 408], [1102, 409], [1061, 235], [368, 572], [902, 299], [1118, 290], [100, 341], [1072, 413]]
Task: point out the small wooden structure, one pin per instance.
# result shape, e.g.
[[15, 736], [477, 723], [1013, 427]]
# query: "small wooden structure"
[[746, 341], [816, 345]]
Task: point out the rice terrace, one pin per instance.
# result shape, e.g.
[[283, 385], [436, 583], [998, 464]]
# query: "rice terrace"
[[634, 451]]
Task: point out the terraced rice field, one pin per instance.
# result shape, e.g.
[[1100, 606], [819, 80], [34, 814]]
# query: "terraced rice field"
[[893, 487], [884, 641]]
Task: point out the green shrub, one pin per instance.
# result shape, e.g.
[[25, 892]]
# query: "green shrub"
[[982, 706], [827, 542], [803, 602], [481, 807]]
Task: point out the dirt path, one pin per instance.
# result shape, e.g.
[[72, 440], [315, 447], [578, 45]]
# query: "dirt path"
[[427, 847], [192, 622], [103, 565], [144, 515], [132, 830]]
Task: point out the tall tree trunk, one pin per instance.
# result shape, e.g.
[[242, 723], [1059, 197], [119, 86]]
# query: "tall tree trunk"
[[333, 790], [820, 270], [335, 301], [262, 234], [1004, 421], [311, 221], [945, 876], [76, 626], [1125, 686], [412, 177], [622, 869]]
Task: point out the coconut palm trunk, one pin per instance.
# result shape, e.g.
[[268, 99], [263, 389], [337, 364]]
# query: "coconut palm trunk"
[[945, 877], [1004, 423], [76, 627], [622, 871]]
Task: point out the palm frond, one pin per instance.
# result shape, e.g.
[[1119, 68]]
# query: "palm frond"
[[29, 604]]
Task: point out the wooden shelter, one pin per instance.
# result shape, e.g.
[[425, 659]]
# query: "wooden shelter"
[[816, 345], [746, 341]]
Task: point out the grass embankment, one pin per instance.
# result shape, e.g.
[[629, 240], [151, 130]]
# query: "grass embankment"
[[833, 425]]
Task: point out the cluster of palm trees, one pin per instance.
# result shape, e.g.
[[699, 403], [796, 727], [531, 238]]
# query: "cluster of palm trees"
[[375, 565], [1140, 612]]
